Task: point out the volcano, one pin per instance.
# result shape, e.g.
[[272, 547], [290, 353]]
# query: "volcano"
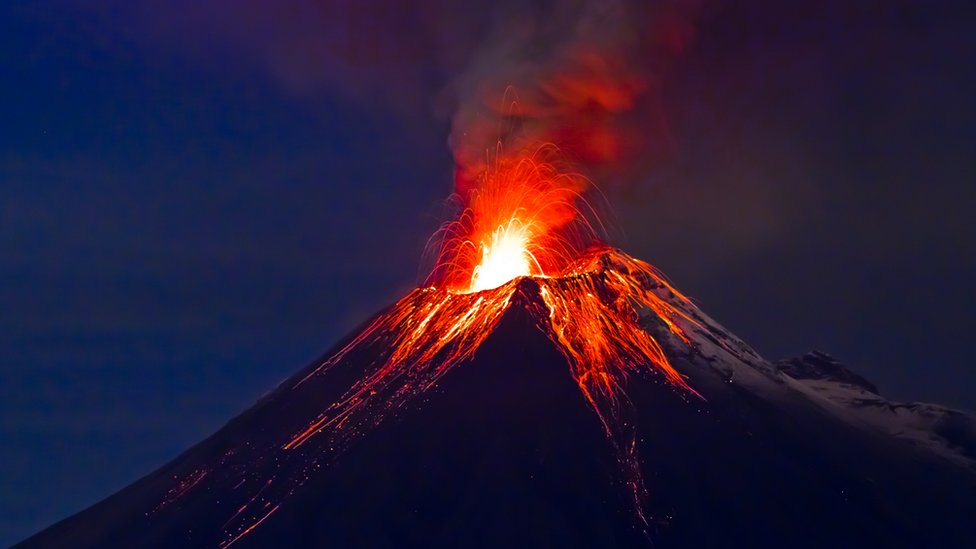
[[542, 388], [523, 415]]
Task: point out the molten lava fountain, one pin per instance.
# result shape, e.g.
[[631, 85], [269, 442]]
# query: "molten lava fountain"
[[521, 220]]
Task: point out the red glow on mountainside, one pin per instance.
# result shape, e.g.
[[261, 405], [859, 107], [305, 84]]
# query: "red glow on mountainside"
[[522, 221], [522, 239]]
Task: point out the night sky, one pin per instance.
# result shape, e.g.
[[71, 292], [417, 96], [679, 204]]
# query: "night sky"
[[198, 198]]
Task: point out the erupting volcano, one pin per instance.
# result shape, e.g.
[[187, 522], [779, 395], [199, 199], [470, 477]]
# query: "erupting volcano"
[[521, 222], [543, 388]]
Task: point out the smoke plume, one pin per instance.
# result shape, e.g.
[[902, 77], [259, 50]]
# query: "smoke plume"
[[584, 75]]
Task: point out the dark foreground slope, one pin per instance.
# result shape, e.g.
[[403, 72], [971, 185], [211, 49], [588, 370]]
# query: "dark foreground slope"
[[505, 452]]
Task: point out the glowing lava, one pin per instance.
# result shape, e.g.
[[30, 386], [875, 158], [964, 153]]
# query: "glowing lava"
[[520, 239], [592, 311], [525, 216], [589, 299], [504, 256]]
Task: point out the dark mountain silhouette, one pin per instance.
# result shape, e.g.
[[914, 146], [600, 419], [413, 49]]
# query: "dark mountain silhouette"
[[505, 452]]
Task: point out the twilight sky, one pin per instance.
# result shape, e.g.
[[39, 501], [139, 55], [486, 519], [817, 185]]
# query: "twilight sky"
[[198, 198]]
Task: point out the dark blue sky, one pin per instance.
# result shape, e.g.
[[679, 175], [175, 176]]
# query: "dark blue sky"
[[183, 224]]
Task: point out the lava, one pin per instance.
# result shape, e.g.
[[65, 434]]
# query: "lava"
[[592, 311], [503, 257], [521, 221], [522, 239], [525, 216]]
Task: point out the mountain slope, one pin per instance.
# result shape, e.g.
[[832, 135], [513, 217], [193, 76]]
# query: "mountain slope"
[[505, 451], [947, 432]]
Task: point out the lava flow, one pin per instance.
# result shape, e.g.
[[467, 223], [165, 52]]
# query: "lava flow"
[[522, 220]]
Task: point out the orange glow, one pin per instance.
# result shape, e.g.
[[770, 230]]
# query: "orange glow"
[[521, 220], [426, 333], [521, 240], [592, 311], [523, 216], [504, 256]]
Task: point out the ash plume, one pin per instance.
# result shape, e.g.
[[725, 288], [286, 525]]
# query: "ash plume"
[[585, 75]]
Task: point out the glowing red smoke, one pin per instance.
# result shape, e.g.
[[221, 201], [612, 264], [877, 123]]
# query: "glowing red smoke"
[[586, 77]]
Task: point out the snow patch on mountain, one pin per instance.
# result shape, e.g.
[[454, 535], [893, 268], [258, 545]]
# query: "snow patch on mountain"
[[824, 380], [827, 383]]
